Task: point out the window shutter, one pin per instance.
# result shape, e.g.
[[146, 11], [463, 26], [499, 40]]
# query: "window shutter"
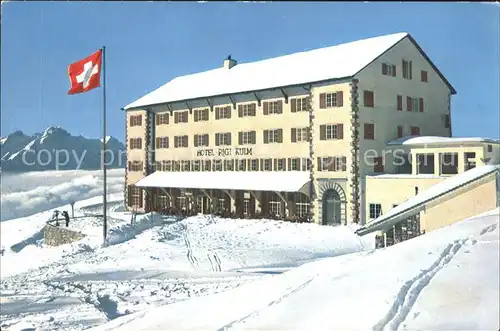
[[340, 99], [340, 131], [240, 110], [409, 103], [393, 71], [176, 117], [421, 101], [228, 109], [280, 135], [253, 108], [254, 137], [384, 69], [400, 102], [293, 103], [294, 135], [207, 139], [217, 139], [400, 131], [332, 163], [157, 118], [186, 139], [240, 138], [157, 142], [410, 71], [289, 161], [261, 161], [205, 114], [140, 198], [322, 100], [229, 138], [167, 146], [344, 163], [217, 113], [266, 138], [320, 166], [195, 140], [322, 132], [266, 108], [140, 120], [280, 107]]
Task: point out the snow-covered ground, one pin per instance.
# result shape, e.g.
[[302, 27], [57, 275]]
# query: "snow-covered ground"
[[208, 273], [445, 280], [152, 262]]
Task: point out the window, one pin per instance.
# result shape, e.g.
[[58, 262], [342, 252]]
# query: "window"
[[407, 69], [185, 165], [136, 120], [369, 131], [196, 165], [299, 104], [414, 104], [201, 115], [336, 163], [294, 164], [400, 131], [375, 210], [272, 107], [217, 165], [134, 196], [490, 148], [242, 165], [161, 142], [247, 110], [180, 141], [253, 165], [164, 166], [469, 160], [181, 202], [423, 76], [449, 163], [279, 164], [246, 207], [176, 165], [247, 138], [162, 118], [207, 165], [425, 164], [368, 98], [267, 164], [228, 165], [299, 134], [201, 140], [273, 136], [399, 102], [135, 165], [135, 143], [181, 116], [331, 131], [301, 205], [330, 100], [223, 139], [275, 205], [404, 166], [388, 69], [222, 112], [415, 131]]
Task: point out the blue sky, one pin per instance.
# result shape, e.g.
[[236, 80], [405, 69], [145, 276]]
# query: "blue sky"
[[148, 44]]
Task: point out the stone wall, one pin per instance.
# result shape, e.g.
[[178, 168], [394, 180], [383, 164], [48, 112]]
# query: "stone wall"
[[55, 236]]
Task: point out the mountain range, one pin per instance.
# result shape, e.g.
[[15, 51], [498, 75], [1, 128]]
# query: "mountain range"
[[57, 149]]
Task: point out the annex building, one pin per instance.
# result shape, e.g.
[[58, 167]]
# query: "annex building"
[[313, 135]]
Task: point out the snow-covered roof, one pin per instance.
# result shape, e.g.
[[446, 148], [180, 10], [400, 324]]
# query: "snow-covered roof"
[[435, 140], [334, 62], [282, 181], [404, 209]]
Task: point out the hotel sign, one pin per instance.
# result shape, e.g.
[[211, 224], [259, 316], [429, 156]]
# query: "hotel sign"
[[224, 152]]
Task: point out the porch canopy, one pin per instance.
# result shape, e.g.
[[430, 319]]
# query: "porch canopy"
[[277, 181]]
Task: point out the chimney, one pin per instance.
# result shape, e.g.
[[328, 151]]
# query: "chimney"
[[229, 63]]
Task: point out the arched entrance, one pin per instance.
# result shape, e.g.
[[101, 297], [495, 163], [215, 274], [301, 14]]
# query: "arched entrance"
[[332, 208]]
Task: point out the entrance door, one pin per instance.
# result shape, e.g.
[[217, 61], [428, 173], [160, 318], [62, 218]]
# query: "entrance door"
[[332, 207]]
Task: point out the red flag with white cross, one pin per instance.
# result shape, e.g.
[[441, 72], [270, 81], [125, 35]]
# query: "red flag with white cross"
[[84, 75]]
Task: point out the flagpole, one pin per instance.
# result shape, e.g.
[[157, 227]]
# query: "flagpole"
[[104, 206]]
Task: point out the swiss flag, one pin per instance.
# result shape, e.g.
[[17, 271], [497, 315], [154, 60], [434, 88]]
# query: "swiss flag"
[[84, 75]]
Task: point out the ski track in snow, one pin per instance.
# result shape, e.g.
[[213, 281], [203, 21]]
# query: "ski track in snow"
[[410, 291]]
